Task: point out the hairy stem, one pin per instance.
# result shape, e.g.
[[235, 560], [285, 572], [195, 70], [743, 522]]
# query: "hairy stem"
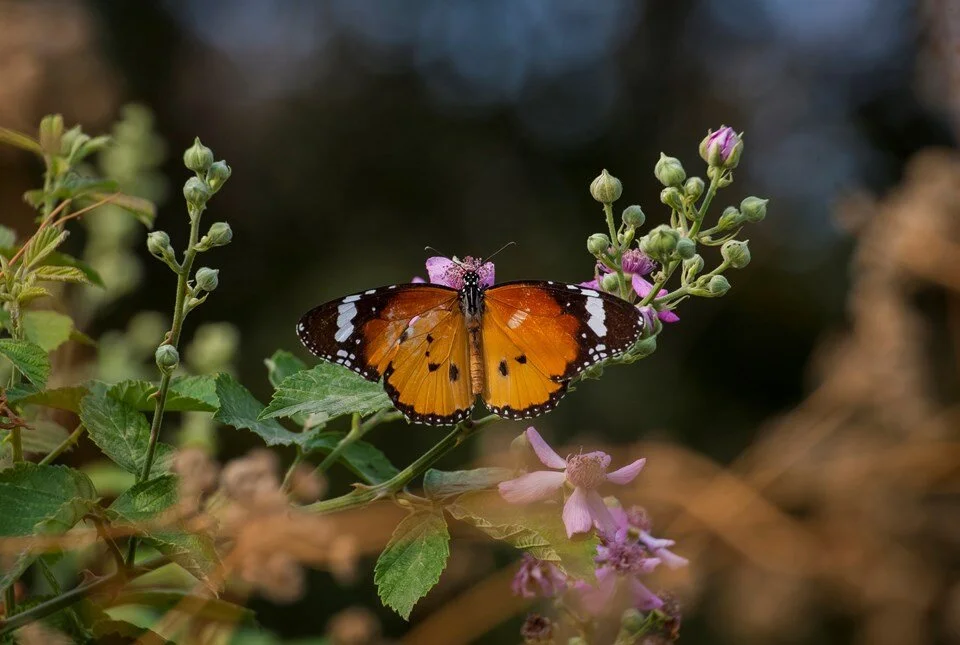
[[65, 445], [625, 291]]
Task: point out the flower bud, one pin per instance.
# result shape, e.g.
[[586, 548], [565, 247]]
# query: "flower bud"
[[598, 243], [693, 188], [672, 198], [736, 252], [660, 243], [51, 131], [610, 283], [754, 209], [730, 219], [219, 234], [158, 243], [718, 285], [167, 358], [198, 157], [722, 148], [686, 248], [634, 216], [606, 188], [196, 192], [218, 174], [633, 621], [669, 171], [207, 278], [692, 266]]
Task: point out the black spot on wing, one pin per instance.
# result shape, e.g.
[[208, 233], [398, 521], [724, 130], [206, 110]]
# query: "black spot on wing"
[[522, 358], [454, 373], [433, 367], [420, 417], [503, 367]]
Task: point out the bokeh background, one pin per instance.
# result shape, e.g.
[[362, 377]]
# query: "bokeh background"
[[805, 424]]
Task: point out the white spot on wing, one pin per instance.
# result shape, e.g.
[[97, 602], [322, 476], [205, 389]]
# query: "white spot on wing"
[[351, 298], [598, 316], [345, 315], [369, 291], [517, 319], [589, 292], [342, 353]]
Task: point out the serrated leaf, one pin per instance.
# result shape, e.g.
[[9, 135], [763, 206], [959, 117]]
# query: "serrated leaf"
[[186, 394], [28, 357], [43, 436], [146, 500], [122, 432], [440, 483], [61, 398], [281, 365], [76, 185], [72, 275], [43, 243], [239, 408], [48, 499], [20, 140], [30, 294], [364, 459], [412, 561], [535, 528], [63, 260], [326, 391], [48, 329]]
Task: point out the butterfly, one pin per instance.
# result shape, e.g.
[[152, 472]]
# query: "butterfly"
[[439, 345]]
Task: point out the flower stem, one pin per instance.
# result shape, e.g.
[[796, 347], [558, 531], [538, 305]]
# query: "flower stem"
[[705, 204], [367, 494], [625, 292], [65, 445]]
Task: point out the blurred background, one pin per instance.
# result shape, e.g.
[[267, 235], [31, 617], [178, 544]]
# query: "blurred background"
[[801, 432]]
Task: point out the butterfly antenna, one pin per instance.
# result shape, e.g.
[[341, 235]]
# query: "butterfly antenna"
[[492, 255]]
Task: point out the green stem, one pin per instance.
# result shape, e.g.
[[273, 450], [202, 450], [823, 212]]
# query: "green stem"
[[355, 433], [288, 478], [77, 594], [684, 290], [705, 204], [367, 494], [625, 291], [65, 445]]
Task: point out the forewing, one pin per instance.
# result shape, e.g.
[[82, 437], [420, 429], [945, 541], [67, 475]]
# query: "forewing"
[[548, 331], [387, 332]]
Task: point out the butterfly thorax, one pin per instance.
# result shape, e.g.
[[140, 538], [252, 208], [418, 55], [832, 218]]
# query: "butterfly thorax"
[[471, 303]]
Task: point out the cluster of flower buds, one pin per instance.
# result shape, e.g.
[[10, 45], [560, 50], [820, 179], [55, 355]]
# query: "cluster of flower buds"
[[638, 266]]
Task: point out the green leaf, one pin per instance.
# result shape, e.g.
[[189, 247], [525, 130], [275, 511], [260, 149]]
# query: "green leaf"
[[186, 394], [73, 275], [42, 499], [63, 260], [440, 483], [145, 501], [413, 560], [20, 140], [143, 209], [201, 607], [5, 322], [74, 185], [364, 459], [121, 432], [535, 528], [42, 244], [8, 237], [43, 436], [281, 365], [28, 357], [48, 329], [239, 408], [60, 398], [121, 631], [326, 391]]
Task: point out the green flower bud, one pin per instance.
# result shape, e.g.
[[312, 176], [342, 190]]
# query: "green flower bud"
[[167, 358], [693, 188], [672, 198], [754, 209], [158, 243], [718, 285], [730, 219], [606, 188], [196, 192], [610, 283], [219, 234], [51, 131], [669, 171], [693, 265], [735, 252], [598, 243], [207, 278], [633, 621], [634, 216], [686, 248], [218, 174], [660, 243], [198, 157]]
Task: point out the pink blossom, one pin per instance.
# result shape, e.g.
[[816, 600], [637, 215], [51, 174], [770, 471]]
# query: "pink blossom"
[[636, 522], [635, 265], [722, 148], [450, 271], [586, 472], [537, 577]]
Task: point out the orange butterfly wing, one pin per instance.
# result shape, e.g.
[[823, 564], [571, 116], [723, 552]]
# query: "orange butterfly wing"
[[537, 336], [413, 336]]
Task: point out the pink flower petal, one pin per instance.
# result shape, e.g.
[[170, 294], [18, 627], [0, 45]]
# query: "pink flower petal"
[[486, 272], [546, 454], [531, 487], [653, 543], [642, 287], [619, 518], [600, 513], [417, 280], [600, 455], [626, 474], [643, 598], [444, 271], [576, 513], [595, 599], [593, 284], [670, 559]]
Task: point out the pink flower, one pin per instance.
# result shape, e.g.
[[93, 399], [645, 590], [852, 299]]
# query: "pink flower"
[[450, 272], [585, 471], [635, 265], [636, 522], [722, 148], [537, 577]]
